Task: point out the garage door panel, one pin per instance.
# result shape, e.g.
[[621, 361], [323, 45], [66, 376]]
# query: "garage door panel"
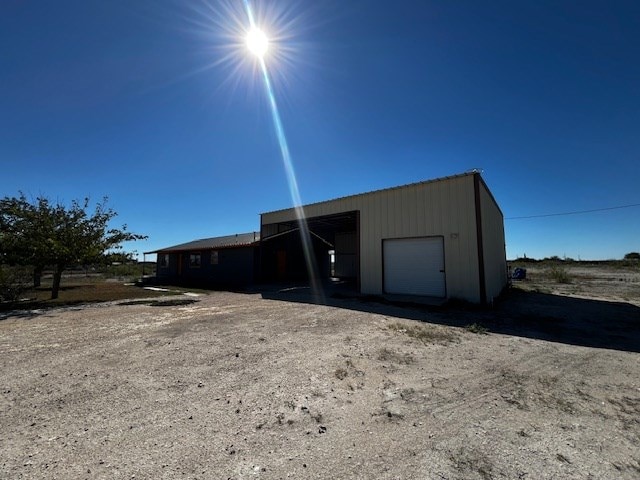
[[414, 266]]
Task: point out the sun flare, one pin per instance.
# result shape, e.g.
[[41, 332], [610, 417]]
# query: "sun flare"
[[257, 42]]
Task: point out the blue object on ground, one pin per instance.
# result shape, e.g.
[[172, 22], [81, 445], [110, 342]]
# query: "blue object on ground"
[[519, 273]]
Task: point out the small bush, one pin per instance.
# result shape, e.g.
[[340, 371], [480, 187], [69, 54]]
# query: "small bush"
[[559, 274], [13, 282], [127, 270], [476, 328]]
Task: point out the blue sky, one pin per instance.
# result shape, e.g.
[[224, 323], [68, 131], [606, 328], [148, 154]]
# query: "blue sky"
[[153, 104]]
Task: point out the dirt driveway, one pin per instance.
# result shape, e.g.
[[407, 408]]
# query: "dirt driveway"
[[267, 386]]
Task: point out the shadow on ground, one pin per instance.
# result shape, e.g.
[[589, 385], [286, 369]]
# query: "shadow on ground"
[[570, 320], [31, 310], [556, 318]]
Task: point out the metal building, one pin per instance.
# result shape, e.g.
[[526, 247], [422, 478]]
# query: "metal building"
[[440, 238]]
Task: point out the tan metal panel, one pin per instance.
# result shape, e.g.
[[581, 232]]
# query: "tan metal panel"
[[457, 220], [493, 240], [268, 230], [411, 211], [420, 212]]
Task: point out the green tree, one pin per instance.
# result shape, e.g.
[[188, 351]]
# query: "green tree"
[[24, 238], [44, 233], [632, 256]]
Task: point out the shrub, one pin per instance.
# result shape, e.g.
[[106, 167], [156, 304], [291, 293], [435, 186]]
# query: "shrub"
[[559, 274], [476, 328], [427, 334], [130, 270], [525, 259], [13, 281]]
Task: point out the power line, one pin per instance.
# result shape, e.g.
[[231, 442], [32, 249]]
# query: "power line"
[[577, 212]]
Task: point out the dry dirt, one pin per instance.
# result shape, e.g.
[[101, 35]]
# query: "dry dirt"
[[268, 385], [605, 282]]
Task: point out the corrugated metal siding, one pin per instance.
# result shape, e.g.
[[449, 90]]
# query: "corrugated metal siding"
[[495, 260], [445, 207]]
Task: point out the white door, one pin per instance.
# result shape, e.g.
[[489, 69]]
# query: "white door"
[[414, 266]]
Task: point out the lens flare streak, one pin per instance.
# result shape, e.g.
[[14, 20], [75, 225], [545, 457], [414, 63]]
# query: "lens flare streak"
[[288, 166]]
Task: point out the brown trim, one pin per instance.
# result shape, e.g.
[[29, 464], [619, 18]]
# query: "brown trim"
[[382, 289], [260, 272], [481, 271], [358, 281]]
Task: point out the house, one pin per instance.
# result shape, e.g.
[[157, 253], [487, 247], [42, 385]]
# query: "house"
[[441, 238], [229, 261]]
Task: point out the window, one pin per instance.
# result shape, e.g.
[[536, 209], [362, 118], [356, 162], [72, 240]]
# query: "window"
[[194, 260], [164, 260], [214, 257]]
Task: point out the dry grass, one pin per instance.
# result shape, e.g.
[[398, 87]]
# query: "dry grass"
[[559, 274], [426, 334], [601, 280], [476, 328]]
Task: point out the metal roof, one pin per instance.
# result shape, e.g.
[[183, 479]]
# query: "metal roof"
[[471, 172], [228, 241]]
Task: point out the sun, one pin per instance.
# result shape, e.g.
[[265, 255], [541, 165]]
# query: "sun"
[[257, 42], [238, 38]]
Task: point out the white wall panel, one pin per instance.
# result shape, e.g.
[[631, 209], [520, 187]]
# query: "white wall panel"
[[414, 266]]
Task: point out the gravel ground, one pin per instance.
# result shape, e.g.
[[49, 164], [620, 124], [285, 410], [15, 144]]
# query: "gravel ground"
[[252, 386]]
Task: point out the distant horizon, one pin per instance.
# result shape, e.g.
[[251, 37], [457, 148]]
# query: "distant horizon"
[[514, 259], [568, 259]]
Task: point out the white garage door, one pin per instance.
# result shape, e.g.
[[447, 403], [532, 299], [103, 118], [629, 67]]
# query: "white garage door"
[[414, 266]]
